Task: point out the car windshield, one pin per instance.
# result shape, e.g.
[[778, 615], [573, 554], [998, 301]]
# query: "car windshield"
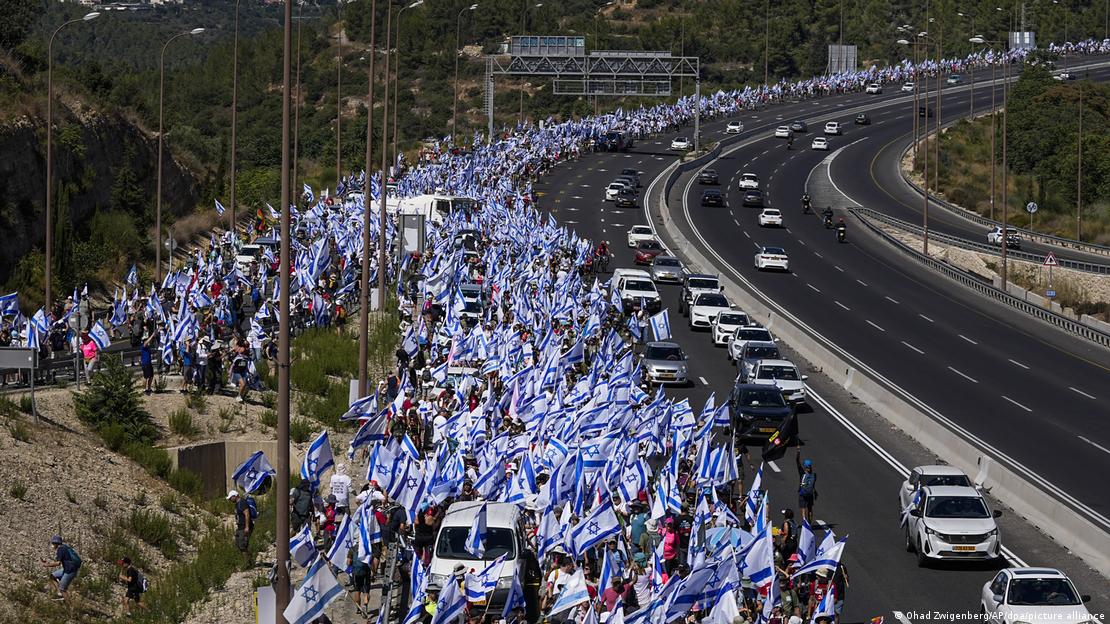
[[472, 306], [711, 299], [761, 353], [960, 480], [751, 177], [731, 318], [660, 352], [649, 246], [788, 373], [955, 507], [628, 172], [452, 544], [640, 285], [641, 229], [707, 284], [753, 334], [709, 172], [754, 193], [774, 251], [762, 398], [666, 262], [1042, 592], [771, 213]]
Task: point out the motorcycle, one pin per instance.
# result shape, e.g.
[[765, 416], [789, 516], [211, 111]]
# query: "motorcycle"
[[805, 206], [841, 234], [790, 143], [828, 222]]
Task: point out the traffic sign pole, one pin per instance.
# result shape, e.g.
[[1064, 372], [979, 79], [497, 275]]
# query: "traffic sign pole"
[[1049, 261]]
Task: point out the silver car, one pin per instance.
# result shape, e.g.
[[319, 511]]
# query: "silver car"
[[751, 354], [664, 363], [666, 269]]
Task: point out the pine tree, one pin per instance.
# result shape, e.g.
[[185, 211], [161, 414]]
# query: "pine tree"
[[111, 401]]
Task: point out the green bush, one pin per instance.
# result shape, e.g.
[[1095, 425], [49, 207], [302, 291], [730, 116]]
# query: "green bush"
[[196, 401], [268, 418], [154, 529], [154, 460], [113, 398], [19, 431], [114, 436], [170, 502], [18, 490], [181, 423], [26, 404], [300, 430], [187, 482]]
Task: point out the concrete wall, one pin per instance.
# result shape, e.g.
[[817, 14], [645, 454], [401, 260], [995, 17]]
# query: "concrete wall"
[[215, 461]]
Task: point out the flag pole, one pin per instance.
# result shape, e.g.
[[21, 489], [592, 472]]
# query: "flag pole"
[[282, 503]]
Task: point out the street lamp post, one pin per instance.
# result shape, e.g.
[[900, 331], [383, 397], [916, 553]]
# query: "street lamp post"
[[339, 94], [923, 36], [1079, 173], [523, 30], [158, 191], [397, 72], [49, 244], [455, 110], [234, 109], [367, 208], [281, 539], [979, 40], [297, 101], [382, 260]]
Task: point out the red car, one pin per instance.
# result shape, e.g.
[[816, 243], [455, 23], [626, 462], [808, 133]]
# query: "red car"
[[646, 251]]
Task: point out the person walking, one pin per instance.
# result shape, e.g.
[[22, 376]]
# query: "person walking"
[[807, 486], [245, 515], [136, 585], [68, 563], [146, 361]]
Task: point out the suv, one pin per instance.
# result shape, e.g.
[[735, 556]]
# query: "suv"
[[756, 411], [635, 286], [1013, 238], [952, 522], [782, 374], [695, 284], [874, 88], [1033, 595], [922, 476]]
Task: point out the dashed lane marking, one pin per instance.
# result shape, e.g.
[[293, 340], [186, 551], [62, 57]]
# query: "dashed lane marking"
[[1016, 403], [926, 318], [964, 375], [1095, 444], [967, 339], [1077, 390], [838, 268], [894, 301], [1019, 364], [919, 351], [774, 466], [842, 305], [815, 289], [862, 283], [703, 381], [876, 326]]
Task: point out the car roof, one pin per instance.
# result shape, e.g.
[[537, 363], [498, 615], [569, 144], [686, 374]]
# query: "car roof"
[[1036, 572], [748, 174], [952, 490], [661, 343], [774, 250], [759, 343], [700, 276], [770, 209], [939, 469], [641, 228], [664, 257], [501, 515], [767, 362]]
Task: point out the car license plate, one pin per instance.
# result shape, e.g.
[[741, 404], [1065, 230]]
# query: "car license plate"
[[767, 430], [963, 548]]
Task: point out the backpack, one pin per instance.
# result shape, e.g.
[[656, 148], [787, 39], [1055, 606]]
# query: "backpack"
[[142, 582], [302, 503], [74, 559], [253, 506]]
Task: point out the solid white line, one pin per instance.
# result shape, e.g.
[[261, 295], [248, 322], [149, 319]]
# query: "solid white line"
[[926, 318], [863, 283], [876, 326], [967, 339], [816, 289], [842, 305], [1019, 364], [1080, 392], [1095, 444], [1016, 403], [703, 381], [971, 379], [774, 466], [919, 351], [894, 301]]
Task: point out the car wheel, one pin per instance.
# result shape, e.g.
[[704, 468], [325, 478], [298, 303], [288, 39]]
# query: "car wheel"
[[922, 560], [909, 542]]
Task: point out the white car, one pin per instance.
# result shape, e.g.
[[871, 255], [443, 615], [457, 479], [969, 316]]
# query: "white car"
[[951, 522], [907, 87], [923, 476], [744, 335], [772, 258], [832, 127], [613, 190], [734, 127], [874, 88], [783, 375], [1033, 595], [681, 143], [1013, 237], [725, 324], [783, 132], [769, 217], [748, 181], [504, 538], [820, 144], [640, 233], [707, 305]]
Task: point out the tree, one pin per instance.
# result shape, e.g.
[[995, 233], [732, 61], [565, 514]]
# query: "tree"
[[111, 400], [15, 21]]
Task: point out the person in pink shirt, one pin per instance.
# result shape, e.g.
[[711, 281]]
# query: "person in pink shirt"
[[89, 353], [670, 546]]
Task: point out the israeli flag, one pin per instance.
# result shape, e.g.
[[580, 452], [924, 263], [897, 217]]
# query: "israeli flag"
[[827, 606], [345, 540], [317, 460], [302, 548], [418, 591], [914, 502], [807, 543], [314, 594], [595, 528], [515, 599], [133, 276], [252, 474], [828, 560], [476, 537], [661, 325], [9, 304], [574, 593], [451, 604], [100, 336], [219, 208], [759, 564], [308, 194]]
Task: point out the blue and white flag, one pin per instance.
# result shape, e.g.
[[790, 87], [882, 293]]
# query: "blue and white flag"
[[302, 548], [574, 593], [219, 208], [827, 560], [9, 304], [418, 592], [100, 336], [133, 276], [807, 543], [451, 604], [252, 474], [593, 529], [661, 325], [313, 595], [476, 537], [308, 196], [346, 538], [827, 607], [515, 598], [759, 564], [373, 430], [914, 502], [317, 460]]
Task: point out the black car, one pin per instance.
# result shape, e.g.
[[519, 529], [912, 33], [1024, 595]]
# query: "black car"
[[799, 126], [632, 173], [708, 176], [625, 198], [753, 197], [924, 111], [757, 411], [863, 120], [712, 197]]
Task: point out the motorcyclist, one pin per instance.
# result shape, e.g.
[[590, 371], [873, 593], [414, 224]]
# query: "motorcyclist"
[[602, 249], [841, 230], [805, 202], [827, 213], [789, 141]]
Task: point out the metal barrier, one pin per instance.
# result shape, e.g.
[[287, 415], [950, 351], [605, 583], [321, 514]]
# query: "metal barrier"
[[948, 239], [971, 281]]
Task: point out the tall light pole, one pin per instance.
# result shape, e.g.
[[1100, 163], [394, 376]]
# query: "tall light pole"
[[49, 244], [455, 109], [297, 100], [158, 192], [923, 36], [766, 42], [382, 260], [281, 540], [980, 40], [367, 208], [397, 72], [524, 30], [1079, 173], [234, 109], [339, 94]]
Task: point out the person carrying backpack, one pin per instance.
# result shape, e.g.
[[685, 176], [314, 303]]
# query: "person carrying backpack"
[[136, 584], [70, 563], [246, 511], [302, 506], [807, 486]]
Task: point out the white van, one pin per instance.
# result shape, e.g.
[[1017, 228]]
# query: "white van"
[[505, 536]]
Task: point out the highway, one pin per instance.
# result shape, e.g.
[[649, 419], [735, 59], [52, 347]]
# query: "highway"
[[858, 485]]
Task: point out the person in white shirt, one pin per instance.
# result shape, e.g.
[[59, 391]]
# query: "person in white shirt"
[[341, 487]]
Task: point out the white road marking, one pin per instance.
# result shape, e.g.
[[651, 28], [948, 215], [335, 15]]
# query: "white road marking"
[[774, 466], [1016, 403], [919, 351], [703, 381], [584, 185], [894, 301], [756, 244], [617, 224], [815, 289], [876, 326], [971, 379], [1073, 389], [569, 221], [1095, 444], [838, 268], [575, 196], [746, 232], [967, 339], [818, 254], [801, 241], [926, 318], [599, 169], [1019, 364], [842, 305], [573, 209], [862, 283], [737, 224]]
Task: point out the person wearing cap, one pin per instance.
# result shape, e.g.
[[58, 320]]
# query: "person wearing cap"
[[818, 587], [807, 486], [244, 522], [68, 563], [133, 580], [617, 558]]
